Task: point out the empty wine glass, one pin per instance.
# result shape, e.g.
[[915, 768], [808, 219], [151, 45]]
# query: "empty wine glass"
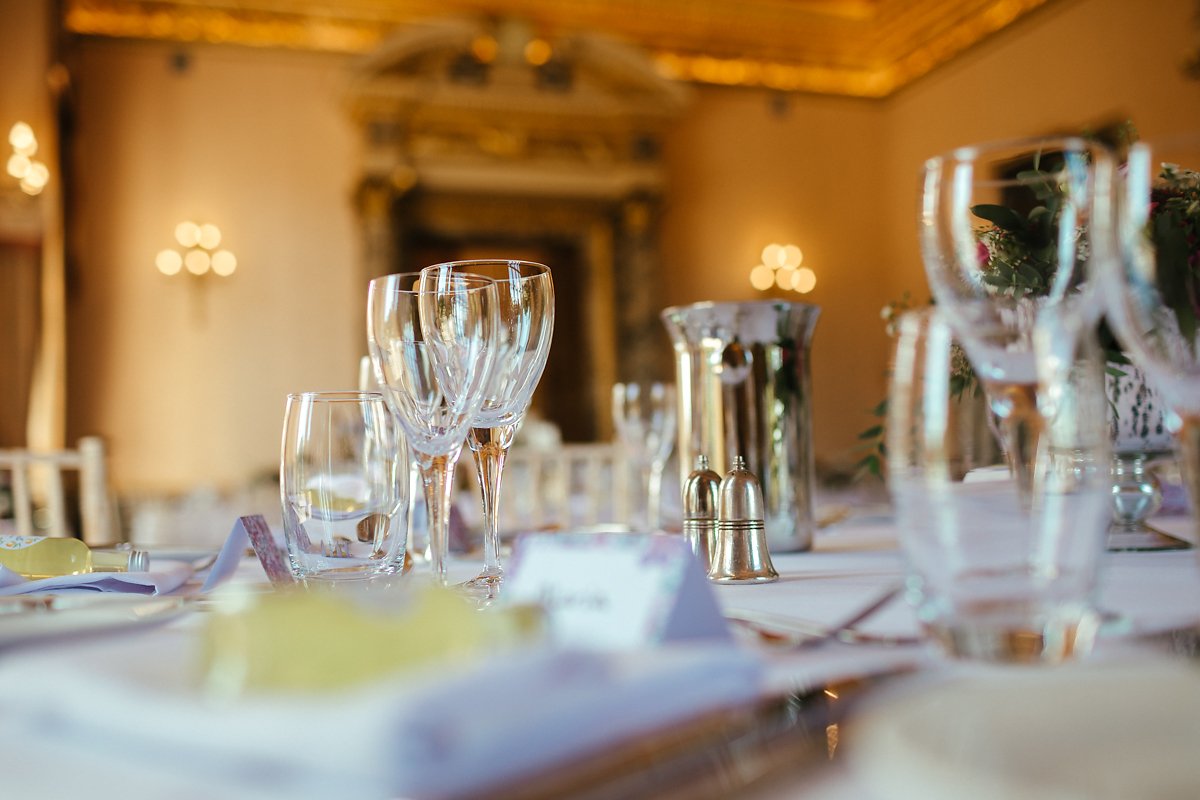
[[1152, 283], [433, 353], [525, 293], [644, 416], [1006, 232]]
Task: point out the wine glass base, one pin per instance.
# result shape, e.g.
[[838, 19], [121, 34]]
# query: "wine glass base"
[[484, 588], [1139, 537], [484, 580]]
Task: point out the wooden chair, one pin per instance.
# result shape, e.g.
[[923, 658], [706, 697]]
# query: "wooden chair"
[[573, 485], [41, 473]]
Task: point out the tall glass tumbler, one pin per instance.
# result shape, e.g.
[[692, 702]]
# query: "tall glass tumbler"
[[991, 576], [341, 488]]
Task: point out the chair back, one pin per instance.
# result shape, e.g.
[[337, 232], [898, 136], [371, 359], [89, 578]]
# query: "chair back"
[[36, 480]]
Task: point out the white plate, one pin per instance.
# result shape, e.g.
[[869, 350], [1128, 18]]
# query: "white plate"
[[1096, 732], [39, 617]]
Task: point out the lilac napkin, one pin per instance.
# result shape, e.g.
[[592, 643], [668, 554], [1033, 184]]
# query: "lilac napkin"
[[163, 579]]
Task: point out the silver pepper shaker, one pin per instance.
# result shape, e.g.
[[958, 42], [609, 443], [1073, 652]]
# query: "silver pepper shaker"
[[700, 492], [740, 554]]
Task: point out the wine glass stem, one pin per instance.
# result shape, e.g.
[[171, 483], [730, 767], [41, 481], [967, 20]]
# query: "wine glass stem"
[[490, 447], [1189, 464], [436, 475], [1021, 426], [653, 476]]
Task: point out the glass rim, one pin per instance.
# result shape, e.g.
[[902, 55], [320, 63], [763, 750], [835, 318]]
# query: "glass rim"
[[481, 282], [336, 396], [538, 269], [1017, 145]]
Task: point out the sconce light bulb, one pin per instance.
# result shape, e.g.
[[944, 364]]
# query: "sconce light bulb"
[[197, 262], [223, 263], [771, 255], [187, 234], [792, 256], [18, 165], [22, 139], [169, 262], [31, 188], [762, 277], [37, 176], [209, 236], [804, 280], [783, 277]]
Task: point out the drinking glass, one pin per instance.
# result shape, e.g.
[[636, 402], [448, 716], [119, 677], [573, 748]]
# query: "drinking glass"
[[990, 576], [341, 488], [1152, 283], [1006, 232], [525, 293], [433, 353], [644, 416]]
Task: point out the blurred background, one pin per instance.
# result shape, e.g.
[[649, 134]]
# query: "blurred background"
[[647, 151]]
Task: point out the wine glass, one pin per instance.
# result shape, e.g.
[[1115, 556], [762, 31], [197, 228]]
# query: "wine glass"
[[1152, 282], [525, 293], [340, 483], [1006, 232], [644, 416], [433, 353]]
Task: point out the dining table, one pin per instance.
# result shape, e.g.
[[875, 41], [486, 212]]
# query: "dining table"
[[788, 702]]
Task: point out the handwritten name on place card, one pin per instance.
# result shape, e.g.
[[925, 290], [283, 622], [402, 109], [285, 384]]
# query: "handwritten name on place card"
[[614, 591]]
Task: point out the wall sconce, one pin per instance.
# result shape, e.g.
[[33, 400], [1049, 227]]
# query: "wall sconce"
[[200, 254], [781, 267], [32, 174]]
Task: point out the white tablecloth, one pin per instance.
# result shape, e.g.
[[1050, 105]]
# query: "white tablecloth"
[[852, 562]]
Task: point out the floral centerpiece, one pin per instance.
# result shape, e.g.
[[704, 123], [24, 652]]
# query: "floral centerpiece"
[[1016, 252]]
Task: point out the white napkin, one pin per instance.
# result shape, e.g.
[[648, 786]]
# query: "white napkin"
[[162, 579], [135, 703]]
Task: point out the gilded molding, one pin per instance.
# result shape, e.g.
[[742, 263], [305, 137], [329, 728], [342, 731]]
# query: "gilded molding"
[[857, 48]]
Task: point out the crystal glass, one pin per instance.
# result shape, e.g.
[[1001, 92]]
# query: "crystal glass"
[[433, 352], [993, 577], [1006, 233], [525, 293], [644, 417], [1152, 283], [341, 488]]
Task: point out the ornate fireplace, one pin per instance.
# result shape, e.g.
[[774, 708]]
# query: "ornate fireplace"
[[482, 139]]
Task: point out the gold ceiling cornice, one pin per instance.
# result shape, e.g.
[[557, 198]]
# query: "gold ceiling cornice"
[[857, 48]]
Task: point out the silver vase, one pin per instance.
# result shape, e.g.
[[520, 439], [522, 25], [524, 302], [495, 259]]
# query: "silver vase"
[[743, 387]]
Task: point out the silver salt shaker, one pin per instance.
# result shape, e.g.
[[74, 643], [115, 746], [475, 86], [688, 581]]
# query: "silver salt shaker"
[[700, 493], [740, 554]]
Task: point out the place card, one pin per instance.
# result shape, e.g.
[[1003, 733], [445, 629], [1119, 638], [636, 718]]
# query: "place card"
[[614, 590]]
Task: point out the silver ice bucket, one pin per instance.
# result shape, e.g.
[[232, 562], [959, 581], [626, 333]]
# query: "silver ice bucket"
[[744, 389]]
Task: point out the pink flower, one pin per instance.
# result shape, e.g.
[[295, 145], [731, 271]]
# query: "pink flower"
[[983, 254]]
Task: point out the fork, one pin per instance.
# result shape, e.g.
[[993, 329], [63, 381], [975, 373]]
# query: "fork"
[[843, 631]]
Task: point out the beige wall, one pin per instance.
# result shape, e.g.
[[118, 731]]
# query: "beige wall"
[[187, 379], [188, 386]]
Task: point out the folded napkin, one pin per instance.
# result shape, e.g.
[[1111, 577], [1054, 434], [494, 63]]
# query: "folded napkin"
[[137, 704], [162, 579], [164, 576]]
